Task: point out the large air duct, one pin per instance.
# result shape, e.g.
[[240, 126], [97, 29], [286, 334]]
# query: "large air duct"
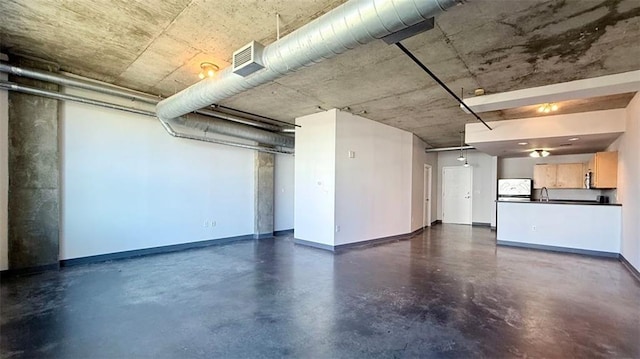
[[352, 24]]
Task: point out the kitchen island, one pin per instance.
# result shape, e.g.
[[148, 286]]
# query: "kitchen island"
[[566, 226]]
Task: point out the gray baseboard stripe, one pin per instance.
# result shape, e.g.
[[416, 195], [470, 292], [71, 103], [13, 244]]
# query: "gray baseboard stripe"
[[480, 224], [558, 249], [29, 270], [493, 228], [630, 267], [437, 221], [326, 247], [263, 235], [366, 243], [153, 251], [283, 232]]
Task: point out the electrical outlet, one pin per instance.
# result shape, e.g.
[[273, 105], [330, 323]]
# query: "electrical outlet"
[[533, 228], [205, 224], [213, 223], [337, 229]]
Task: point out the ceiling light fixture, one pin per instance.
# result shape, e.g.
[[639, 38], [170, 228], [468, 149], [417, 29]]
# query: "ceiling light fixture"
[[461, 157], [574, 139], [539, 153], [548, 107], [208, 70], [523, 143]]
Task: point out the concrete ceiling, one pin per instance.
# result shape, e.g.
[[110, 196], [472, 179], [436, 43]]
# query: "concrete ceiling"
[[500, 45]]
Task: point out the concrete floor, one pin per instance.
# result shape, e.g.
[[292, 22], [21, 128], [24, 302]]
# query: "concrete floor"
[[448, 292]]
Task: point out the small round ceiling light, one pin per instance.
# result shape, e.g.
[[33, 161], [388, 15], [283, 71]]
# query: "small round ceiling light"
[[539, 153], [523, 143], [208, 70], [548, 107]]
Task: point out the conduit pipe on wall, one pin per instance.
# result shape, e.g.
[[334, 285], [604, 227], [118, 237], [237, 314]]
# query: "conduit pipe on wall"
[[352, 24], [10, 86], [117, 91]]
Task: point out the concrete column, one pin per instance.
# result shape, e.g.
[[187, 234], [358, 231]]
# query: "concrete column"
[[34, 197], [264, 193]]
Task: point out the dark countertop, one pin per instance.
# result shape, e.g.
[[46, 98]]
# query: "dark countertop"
[[561, 201]]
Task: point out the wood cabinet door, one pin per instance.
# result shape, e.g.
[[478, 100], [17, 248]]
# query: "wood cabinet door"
[[544, 176], [605, 173], [569, 175]]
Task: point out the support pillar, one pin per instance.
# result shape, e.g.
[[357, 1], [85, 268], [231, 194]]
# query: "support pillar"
[[264, 193], [34, 179]]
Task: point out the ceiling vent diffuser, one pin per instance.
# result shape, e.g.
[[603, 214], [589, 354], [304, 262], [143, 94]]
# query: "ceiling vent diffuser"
[[248, 59]]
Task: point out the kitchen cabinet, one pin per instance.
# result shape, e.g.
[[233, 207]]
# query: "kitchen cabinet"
[[544, 175], [570, 175], [558, 175], [604, 169]]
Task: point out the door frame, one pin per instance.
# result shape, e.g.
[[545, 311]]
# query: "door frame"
[[426, 196], [470, 168]]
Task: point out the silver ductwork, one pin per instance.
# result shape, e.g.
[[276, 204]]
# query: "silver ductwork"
[[209, 124], [352, 24]]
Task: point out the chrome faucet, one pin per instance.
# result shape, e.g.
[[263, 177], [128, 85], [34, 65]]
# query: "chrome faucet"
[[544, 194]]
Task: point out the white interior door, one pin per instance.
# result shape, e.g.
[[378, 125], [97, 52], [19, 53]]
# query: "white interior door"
[[456, 195], [426, 209]]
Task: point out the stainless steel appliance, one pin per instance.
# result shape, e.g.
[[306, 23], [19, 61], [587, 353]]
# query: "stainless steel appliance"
[[515, 189]]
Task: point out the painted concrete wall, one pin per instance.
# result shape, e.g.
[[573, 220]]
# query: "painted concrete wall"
[[522, 167], [284, 192], [373, 189], [483, 196], [4, 174], [315, 175], [419, 159], [628, 192], [127, 184]]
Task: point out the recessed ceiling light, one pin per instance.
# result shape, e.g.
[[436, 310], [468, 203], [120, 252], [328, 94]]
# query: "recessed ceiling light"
[[523, 143], [547, 107], [574, 139]]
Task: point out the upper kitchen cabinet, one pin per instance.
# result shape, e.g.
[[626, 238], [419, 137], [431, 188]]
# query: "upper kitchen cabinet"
[[561, 175], [570, 175], [604, 170], [544, 175]]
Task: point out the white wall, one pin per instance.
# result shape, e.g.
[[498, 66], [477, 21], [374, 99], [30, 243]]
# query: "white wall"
[[419, 159], [4, 173], [373, 189], [127, 184], [315, 174], [628, 192], [522, 167], [284, 191], [483, 196]]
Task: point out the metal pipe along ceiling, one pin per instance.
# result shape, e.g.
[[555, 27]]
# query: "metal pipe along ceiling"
[[227, 128], [355, 23], [117, 91]]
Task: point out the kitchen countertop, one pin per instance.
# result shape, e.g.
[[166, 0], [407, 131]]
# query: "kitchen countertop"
[[560, 201]]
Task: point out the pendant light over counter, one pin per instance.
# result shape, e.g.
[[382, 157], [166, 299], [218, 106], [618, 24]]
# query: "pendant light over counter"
[[461, 157]]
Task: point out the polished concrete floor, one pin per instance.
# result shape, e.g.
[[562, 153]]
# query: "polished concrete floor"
[[449, 292]]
